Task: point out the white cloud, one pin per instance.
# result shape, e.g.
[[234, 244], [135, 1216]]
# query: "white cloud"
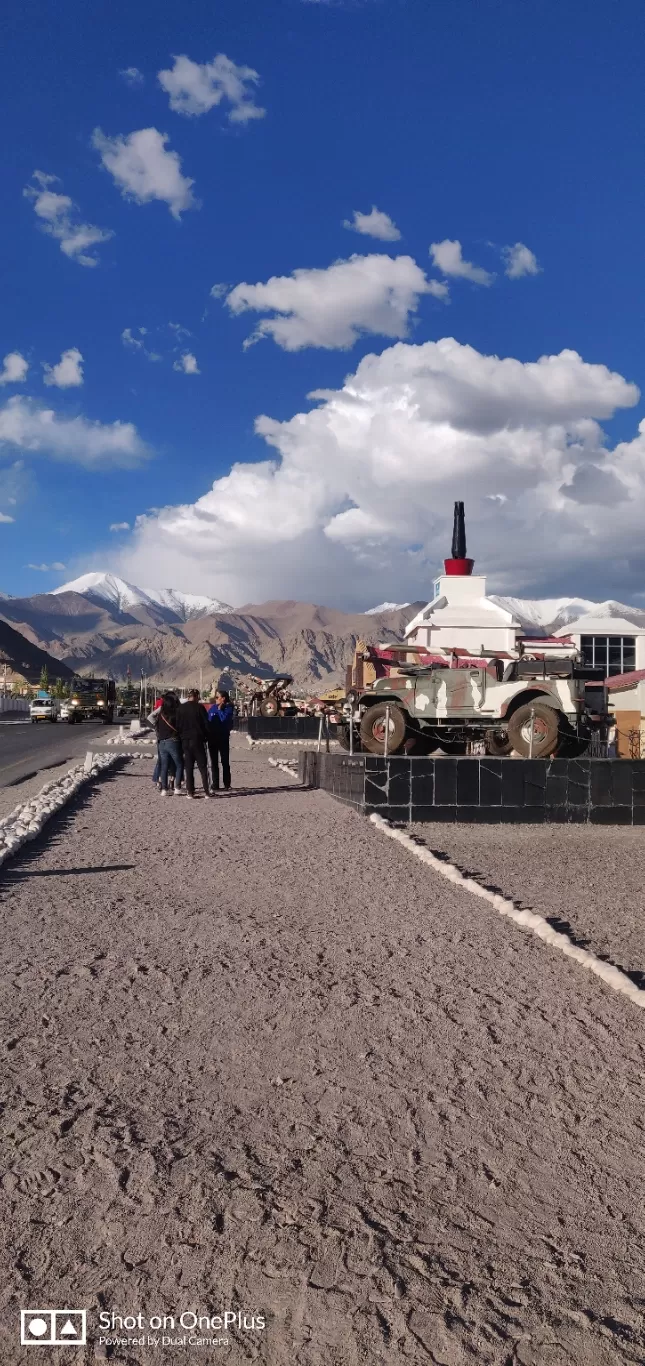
[[95, 445], [520, 260], [14, 369], [68, 374], [119, 526], [195, 88], [47, 568], [136, 343], [144, 170], [331, 308], [132, 76], [374, 224], [187, 364], [59, 218], [354, 502], [5, 518], [447, 257], [218, 291]]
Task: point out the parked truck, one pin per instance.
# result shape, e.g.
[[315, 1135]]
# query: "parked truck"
[[534, 707]]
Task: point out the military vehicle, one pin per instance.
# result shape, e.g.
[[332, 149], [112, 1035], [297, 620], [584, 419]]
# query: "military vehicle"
[[92, 699], [270, 697], [535, 707]]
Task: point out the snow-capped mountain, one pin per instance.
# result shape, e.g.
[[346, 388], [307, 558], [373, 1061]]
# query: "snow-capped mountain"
[[124, 596], [546, 615], [385, 607]]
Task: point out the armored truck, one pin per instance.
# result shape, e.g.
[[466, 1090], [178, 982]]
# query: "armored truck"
[[534, 707]]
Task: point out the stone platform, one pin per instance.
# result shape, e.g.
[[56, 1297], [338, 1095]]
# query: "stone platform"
[[283, 727], [406, 789]]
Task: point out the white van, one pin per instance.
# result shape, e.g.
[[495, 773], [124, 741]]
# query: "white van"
[[44, 709]]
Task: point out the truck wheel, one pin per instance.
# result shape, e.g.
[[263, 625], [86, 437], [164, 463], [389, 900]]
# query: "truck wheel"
[[545, 723], [418, 746], [269, 707], [453, 746], [497, 743], [342, 735], [373, 729]]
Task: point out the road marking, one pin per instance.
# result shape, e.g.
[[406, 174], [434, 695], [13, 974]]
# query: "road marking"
[[529, 920]]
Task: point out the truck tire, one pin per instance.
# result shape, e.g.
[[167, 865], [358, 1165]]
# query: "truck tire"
[[372, 729], [342, 735], [453, 746], [269, 707], [497, 743], [546, 729]]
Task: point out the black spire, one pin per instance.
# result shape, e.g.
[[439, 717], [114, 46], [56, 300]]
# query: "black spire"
[[459, 534]]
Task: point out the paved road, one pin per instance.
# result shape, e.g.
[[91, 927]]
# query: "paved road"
[[26, 749]]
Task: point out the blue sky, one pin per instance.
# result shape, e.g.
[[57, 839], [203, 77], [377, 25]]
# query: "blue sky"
[[487, 125]]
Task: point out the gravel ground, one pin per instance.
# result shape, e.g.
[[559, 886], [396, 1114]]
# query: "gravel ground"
[[588, 883], [258, 1057]]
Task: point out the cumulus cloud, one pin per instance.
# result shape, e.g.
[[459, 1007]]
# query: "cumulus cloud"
[[4, 517], [331, 308], [144, 170], [68, 374], [194, 88], [96, 445], [374, 224], [354, 501], [134, 341], [119, 526], [447, 257], [59, 218], [14, 369], [187, 364], [47, 568], [519, 261], [132, 76]]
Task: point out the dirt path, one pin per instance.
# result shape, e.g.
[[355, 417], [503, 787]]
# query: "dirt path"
[[259, 1058]]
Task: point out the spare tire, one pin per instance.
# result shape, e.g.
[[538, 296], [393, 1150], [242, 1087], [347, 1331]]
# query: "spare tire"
[[373, 729], [269, 707], [545, 723], [342, 735], [497, 743]]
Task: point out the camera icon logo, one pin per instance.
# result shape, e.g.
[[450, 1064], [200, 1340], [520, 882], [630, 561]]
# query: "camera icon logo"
[[53, 1327]]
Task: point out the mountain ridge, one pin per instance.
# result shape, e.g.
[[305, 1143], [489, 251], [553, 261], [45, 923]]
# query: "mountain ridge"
[[115, 627]]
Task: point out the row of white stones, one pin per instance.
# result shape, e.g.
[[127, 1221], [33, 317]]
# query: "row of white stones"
[[26, 821]]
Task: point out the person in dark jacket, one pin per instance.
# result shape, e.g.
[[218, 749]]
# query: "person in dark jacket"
[[220, 723], [169, 744], [192, 725]]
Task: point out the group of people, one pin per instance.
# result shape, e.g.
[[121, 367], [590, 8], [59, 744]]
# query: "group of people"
[[188, 735]]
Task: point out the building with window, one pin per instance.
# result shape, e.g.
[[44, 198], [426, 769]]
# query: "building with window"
[[609, 640]]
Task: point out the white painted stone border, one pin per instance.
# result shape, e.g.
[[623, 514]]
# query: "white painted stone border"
[[285, 765], [530, 920], [26, 821], [313, 741]]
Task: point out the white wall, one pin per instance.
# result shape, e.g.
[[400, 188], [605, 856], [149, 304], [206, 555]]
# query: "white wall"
[[14, 704]]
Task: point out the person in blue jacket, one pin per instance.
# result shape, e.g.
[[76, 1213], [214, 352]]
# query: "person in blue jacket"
[[220, 723]]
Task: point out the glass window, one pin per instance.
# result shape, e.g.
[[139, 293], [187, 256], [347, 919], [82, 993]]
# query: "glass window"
[[615, 665], [586, 646], [614, 654], [629, 653], [600, 652]]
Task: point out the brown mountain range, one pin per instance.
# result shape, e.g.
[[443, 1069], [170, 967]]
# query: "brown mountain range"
[[310, 642]]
